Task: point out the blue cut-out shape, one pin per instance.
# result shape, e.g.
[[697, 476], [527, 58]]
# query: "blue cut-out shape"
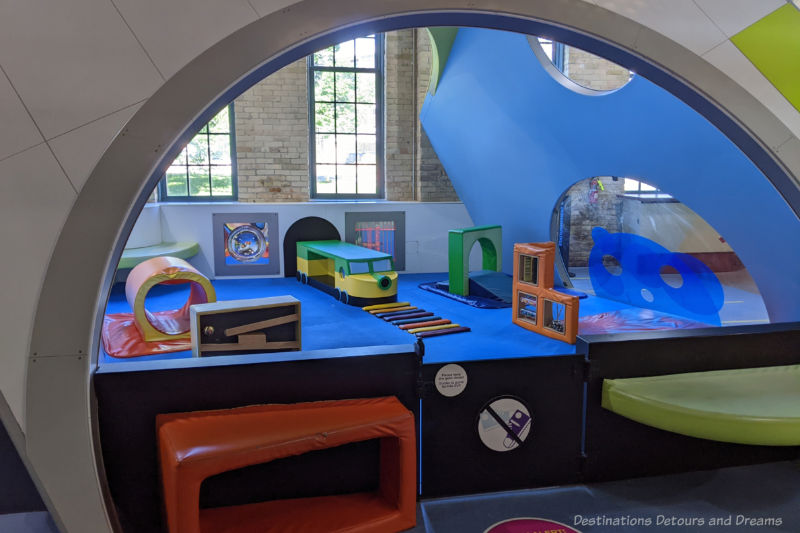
[[639, 282]]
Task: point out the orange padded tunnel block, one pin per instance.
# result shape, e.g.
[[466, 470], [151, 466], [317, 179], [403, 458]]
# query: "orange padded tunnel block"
[[194, 446], [165, 325]]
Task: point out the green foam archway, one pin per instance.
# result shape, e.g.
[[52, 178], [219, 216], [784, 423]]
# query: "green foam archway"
[[459, 244]]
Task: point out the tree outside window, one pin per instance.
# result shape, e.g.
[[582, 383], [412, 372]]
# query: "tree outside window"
[[346, 125], [205, 170]]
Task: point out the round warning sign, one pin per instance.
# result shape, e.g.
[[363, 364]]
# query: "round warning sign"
[[451, 380], [504, 424], [529, 525]]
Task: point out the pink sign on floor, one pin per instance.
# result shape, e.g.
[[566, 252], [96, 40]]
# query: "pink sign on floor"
[[530, 525]]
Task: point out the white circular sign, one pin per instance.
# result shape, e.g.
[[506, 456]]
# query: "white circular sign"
[[504, 424], [451, 380]]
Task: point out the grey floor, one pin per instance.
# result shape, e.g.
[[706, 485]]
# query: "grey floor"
[[39, 522], [767, 492], [759, 497]]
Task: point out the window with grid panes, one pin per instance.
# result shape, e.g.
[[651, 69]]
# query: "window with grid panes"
[[346, 119], [638, 189], [205, 170]]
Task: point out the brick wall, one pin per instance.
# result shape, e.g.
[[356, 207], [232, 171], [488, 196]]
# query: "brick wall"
[[594, 72], [272, 138], [599, 74], [433, 185], [586, 214], [272, 131], [400, 117]]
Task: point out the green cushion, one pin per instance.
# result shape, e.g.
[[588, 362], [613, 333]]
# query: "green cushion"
[[758, 406], [133, 256]]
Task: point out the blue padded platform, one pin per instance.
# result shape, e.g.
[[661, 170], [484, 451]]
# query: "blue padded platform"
[[327, 323]]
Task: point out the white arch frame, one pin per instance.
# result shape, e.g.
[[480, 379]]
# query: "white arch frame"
[[66, 330]]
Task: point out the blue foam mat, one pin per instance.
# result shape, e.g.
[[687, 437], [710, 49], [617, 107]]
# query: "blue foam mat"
[[327, 323]]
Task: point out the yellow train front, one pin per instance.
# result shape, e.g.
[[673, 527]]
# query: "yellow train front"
[[353, 274]]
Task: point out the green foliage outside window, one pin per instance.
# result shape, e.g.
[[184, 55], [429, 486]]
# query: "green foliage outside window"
[[205, 169], [345, 81]]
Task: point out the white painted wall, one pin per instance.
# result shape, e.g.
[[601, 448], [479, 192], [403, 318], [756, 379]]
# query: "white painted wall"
[[427, 224], [147, 230]]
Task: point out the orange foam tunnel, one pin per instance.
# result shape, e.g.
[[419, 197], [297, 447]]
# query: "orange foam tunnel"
[[165, 325]]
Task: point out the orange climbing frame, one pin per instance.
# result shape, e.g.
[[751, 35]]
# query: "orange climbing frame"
[[536, 305], [196, 445]]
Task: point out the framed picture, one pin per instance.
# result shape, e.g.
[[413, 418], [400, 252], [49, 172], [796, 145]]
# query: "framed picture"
[[246, 244], [384, 231]]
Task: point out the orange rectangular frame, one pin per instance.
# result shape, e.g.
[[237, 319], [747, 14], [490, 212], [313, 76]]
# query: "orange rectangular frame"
[[543, 290]]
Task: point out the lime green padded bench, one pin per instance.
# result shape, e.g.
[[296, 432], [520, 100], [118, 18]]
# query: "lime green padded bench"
[[759, 406], [133, 256]]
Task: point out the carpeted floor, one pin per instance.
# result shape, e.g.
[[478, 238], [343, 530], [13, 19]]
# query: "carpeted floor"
[[327, 323]]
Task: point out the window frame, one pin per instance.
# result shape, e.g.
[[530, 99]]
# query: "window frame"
[[188, 198], [380, 176], [652, 195]]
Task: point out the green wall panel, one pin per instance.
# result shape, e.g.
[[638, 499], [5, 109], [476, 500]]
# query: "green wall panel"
[[773, 45]]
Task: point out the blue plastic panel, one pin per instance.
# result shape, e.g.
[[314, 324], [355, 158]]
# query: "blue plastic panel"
[[639, 282]]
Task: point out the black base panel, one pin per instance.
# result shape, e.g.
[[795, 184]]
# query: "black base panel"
[[128, 402], [363, 302], [619, 448], [455, 461]]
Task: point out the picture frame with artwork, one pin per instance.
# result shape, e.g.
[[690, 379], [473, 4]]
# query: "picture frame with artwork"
[[383, 231], [246, 244]]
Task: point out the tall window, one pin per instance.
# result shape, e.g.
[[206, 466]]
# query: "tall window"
[[555, 51], [346, 119], [639, 189], [205, 170]]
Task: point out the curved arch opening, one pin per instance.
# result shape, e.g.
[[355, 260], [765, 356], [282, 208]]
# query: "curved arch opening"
[[146, 136], [578, 69], [218, 98]]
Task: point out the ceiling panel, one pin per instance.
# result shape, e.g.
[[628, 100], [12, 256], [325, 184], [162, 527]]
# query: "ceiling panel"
[[72, 62], [174, 32], [35, 198], [680, 20], [265, 7], [79, 150], [732, 16], [731, 61], [772, 44], [18, 131]]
